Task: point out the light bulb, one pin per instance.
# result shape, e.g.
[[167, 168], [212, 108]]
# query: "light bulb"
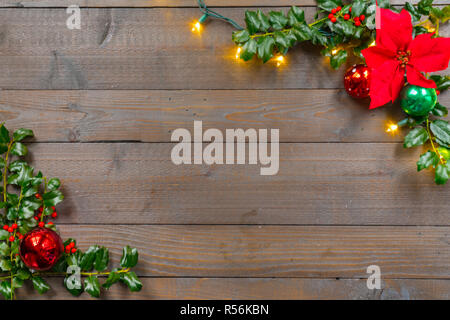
[[392, 128], [279, 60], [238, 52]]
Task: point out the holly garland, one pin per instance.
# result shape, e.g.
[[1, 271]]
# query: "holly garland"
[[399, 54], [30, 249]]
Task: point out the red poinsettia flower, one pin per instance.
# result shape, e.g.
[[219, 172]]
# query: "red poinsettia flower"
[[396, 52]]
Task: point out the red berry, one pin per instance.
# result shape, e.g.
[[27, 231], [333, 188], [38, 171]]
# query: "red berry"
[[357, 23], [20, 236], [333, 11], [10, 230], [438, 92], [67, 251], [330, 16], [362, 17], [37, 195], [53, 208], [14, 226], [72, 244], [36, 218], [11, 239], [333, 20], [5, 227], [41, 209], [346, 16], [350, 9], [54, 214], [68, 247], [50, 223], [339, 8], [41, 224], [73, 250]]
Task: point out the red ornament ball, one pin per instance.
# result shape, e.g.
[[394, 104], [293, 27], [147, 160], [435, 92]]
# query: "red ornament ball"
[[41, 248], [357, 81]]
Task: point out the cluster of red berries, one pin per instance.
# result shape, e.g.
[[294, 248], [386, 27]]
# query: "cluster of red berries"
[[356, 20], [39, 215], [70, 248], [11, 229], [331, 16]]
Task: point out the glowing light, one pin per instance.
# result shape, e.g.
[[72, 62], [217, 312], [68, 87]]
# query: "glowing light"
[[279, 60], [238, 52], [430, 29], [372, 44], [392, 128], [197, 27], [334, 52]]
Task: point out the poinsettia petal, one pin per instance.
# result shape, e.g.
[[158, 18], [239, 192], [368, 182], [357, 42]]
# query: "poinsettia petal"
[[429, 54], [398, 81], [380, 85], [376, 56], [396, 30], [416, 78]]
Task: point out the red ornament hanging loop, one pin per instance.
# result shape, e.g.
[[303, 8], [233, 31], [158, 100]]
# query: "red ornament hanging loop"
[[40, 249], [357, 81]]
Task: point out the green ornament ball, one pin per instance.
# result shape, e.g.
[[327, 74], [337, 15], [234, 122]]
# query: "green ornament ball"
[[418, 101]]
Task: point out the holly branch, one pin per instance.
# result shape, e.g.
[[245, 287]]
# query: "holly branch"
[[25, 208], [342, 29]]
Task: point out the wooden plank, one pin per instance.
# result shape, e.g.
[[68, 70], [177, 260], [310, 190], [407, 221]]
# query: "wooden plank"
[[259, 289], [275, 251], [151, 116], [143, 49], [354, 184], [169, 3]]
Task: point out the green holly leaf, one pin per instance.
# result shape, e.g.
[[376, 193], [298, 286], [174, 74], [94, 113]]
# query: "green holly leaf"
[[416, 137], [358, 7], [92, 286], [249, 50], [252, 21], [318, 38], [72, 286], [112, 278], [281, 40], [101, 259], [87, 261], [336, 60], [264, 24], [4, 234], [413, 11], [5, 264], [23, 274], [12, 213], [441, 129], [129, 257], [328, 5], [52, 198], [302, 32], [241, 36], [295, 15], [22, 133], [277, 20], [4, 135], [5, 289], [439, 110], [40, 285], [19, 149], [265, 48], [4, 249], [132, 281], [53, 184], [441, 174], [17, 282], [429, 158], [442, 82], [424, 6]]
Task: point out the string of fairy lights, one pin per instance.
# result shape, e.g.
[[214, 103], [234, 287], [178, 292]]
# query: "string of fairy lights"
[[391, 128]]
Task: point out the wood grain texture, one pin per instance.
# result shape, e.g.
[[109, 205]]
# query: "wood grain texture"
[[143, 49], [151, 115], [275, 251], [356, 184], [260, 289], [168, 3]]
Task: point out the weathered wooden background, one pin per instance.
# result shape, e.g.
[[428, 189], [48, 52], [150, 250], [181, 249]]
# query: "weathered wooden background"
[[104, 100]]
